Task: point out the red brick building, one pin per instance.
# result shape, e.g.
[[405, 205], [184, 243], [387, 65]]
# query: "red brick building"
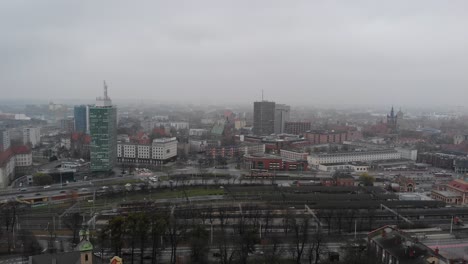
[[326, 136], [455, 192]]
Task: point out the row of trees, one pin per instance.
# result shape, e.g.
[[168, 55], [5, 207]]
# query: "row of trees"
[[231, 239]]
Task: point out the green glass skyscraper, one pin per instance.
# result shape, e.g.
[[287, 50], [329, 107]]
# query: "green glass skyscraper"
[[103, 131]]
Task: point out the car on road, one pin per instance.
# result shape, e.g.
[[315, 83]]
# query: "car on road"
[[37, 194], [23, 189], [46, 187]]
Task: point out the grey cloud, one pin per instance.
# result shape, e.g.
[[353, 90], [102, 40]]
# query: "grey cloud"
[[227, 51]]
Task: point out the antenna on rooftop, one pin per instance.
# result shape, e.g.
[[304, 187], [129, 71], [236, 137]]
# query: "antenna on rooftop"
[[105, 90]]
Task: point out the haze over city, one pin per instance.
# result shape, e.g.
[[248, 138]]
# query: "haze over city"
[[233, 132], [300, 52]]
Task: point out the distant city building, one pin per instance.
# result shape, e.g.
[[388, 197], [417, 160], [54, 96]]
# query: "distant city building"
[[239, 123], [264, 118], [197, 132], [158, 152], [81, 115], [23, 160], [197, 146], [393, 246], [103, 131], [282, 113], [351, 167], [232, 151], [458, 139], [32, 135], [326, 136], [164, 148], [455, 192], [357, 156], [411, 154], [14, 161], [67, 125], [4, 139], [392, 122], [296, 128], [270, 163], [293, 155]]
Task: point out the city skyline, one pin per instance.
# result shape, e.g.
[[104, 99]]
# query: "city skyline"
[[301, 53]]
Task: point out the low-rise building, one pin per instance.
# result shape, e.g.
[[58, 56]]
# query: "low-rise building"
[[351, 167], [393, 246], [293, 155], [411, 154], [273, 163], [455, 192], [326, 136], [197, 132], [237, 150], [23, 160], [355, 156], [160, 151]]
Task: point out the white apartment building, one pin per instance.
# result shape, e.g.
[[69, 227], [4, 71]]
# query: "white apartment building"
[[23, 160], [343, 167], [164, 148], [159, 151], [32, 135], [411, 154], [358, 156]]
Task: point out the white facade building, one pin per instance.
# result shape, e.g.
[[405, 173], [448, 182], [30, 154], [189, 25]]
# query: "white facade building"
[[344, 157], [411, 154], [164, 148], [23, 159], [32, 135], [343, 167], [159, 151]]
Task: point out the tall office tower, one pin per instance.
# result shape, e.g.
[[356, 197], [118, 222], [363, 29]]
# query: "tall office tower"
[[103, 131], [281, 117], [4, 139], [264, 118], [81, 113]]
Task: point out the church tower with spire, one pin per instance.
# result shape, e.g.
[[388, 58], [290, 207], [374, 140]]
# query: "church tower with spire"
[[392, 122]]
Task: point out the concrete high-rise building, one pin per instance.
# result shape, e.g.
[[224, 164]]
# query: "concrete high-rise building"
[[81, 113], [32, 135], [281, 117], [264, 118], [4, 140], [103, 131]]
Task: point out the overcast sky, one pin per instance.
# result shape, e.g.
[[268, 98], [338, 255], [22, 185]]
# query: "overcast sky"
[[397, 52]]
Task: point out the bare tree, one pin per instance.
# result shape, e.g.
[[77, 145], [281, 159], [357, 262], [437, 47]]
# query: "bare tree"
[[316, 247], [300, 231]]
